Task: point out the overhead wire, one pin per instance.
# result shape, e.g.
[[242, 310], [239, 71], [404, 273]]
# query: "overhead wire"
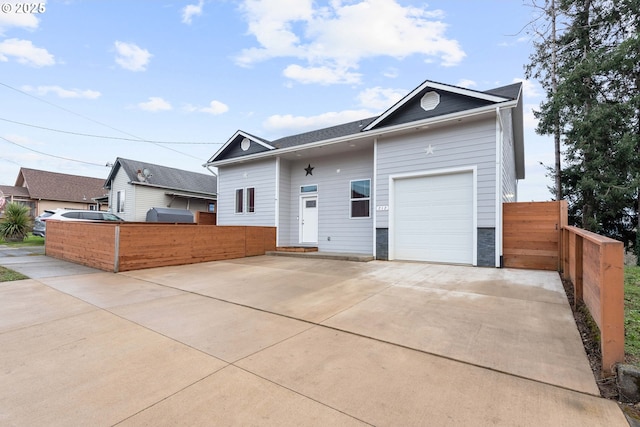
[[48, 154], [136, 138], [105, 136]]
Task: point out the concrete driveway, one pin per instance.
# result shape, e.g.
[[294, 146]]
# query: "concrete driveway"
[[292, 341]]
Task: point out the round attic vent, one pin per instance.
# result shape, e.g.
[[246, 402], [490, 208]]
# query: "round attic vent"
[[429, 101], [245, 144]]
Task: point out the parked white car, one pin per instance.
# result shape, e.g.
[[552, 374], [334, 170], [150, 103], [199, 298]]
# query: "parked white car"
[[71, 215]]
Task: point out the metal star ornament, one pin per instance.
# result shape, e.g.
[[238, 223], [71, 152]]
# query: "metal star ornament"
[[309, 170]]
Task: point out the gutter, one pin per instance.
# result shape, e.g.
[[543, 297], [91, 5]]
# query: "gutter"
[[366, 134]]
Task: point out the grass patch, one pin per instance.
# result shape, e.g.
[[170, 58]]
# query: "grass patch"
[[632, 312], [7, 275], [30, 240]]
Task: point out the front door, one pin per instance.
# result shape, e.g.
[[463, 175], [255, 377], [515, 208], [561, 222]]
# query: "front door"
[[309, 219]]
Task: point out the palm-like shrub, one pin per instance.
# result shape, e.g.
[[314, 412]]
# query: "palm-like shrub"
[[16, 222]]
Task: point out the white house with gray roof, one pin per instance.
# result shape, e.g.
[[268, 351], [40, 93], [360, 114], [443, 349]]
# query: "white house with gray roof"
[[423, 181], [135, 187]]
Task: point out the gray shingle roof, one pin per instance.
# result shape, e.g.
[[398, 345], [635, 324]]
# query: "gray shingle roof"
[[165, 177], [351, 128]]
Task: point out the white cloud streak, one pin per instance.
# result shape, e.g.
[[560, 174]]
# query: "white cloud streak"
[[63, 93], [154, 104], [215, 108], [131, 57], [191, 10], [315, 35], [25, 53]]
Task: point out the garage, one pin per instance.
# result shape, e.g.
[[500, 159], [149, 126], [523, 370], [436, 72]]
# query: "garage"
[[433, 218]]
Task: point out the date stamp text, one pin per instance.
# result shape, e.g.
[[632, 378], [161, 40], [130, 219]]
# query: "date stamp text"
[[26, 8]]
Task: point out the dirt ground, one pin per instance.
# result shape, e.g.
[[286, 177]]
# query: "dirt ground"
[[588, 332]]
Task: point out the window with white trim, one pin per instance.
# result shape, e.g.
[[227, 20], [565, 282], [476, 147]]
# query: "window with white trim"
[[361, 198], [240, 200], [120, 201], [245, 200], [251, 200]]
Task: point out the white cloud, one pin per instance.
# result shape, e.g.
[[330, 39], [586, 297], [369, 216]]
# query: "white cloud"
[[529, 119], [13, 19], [316, 36], [191, 10], [530, 89], [466, 83], [25, 53], [215, 108], [323, 75], [154, 104], [290, 124], [132, 57], [63, 93], [380, 99]]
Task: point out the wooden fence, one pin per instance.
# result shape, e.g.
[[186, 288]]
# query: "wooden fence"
[[594, 265], [532, 234], [132, 246]]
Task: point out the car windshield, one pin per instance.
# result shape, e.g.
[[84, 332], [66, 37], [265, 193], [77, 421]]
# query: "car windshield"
[[111, 217]]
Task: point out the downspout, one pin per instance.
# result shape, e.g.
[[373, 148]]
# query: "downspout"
[[375, 198], [499, 153], [276, 218]]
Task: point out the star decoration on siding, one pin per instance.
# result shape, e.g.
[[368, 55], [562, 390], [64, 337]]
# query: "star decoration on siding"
[[309, 170], [428, 150]]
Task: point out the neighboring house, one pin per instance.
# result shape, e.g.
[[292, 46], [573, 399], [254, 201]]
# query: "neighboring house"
[[42, 190], [135, 187], [423, 181]]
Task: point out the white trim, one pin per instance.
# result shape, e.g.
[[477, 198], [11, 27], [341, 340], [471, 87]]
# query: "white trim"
[[374, 197], [351, 199], [276, 216], [499, 185], [448, 171], [301, 216], [235, 201], [368, 135], [233, 138], [439, 86]]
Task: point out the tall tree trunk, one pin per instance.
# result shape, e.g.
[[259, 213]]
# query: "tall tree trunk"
[[554, 88]]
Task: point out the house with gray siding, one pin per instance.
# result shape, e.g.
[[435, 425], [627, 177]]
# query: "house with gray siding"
[[423, 181], [134, 187]]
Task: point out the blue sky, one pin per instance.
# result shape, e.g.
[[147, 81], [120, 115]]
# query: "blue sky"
[[137, 74]]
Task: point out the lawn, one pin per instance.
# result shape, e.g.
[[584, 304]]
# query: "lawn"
[[7, 275], [632, 313], [30, 240]]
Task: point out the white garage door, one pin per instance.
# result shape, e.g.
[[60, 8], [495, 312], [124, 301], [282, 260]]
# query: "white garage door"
[[433, 218]]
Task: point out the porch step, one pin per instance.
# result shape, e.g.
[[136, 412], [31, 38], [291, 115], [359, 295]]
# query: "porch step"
[[296, 249], [324, 255]]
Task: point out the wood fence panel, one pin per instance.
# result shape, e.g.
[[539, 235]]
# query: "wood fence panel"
[[90, 244], [531, 234], [133, 246]]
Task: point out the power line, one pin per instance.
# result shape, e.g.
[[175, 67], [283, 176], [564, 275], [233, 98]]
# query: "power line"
[[137, 138], [107, 137], [50, 155]]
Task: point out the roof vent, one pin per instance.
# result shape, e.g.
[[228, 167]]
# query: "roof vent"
[[245, 144], [430, 100]]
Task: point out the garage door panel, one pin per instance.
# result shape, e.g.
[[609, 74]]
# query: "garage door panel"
[[433, 218]]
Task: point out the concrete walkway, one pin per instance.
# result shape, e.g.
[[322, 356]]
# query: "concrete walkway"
[[293, 341]]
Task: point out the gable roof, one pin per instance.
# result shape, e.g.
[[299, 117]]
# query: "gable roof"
[[453, 103], [45, 185], [164, 177]]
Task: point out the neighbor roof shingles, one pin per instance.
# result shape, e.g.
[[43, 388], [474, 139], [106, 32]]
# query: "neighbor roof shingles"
[[44, 185]]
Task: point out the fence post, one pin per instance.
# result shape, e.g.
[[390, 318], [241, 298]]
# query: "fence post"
[[577, 282], [116, 249], [611, 305]]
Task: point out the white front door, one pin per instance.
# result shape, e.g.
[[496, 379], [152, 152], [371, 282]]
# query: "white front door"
[[309, 219]]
